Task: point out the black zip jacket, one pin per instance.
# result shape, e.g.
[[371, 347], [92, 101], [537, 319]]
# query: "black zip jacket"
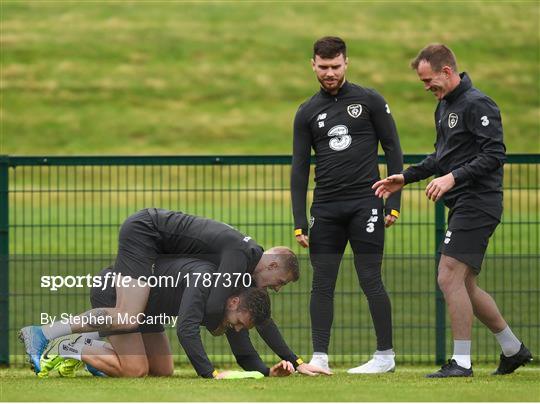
[[344, 131], [470, 146], [183, 235]]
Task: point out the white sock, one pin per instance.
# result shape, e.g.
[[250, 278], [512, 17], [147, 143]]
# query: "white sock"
[[386, 355], [71, 350], [509, 343], [89, 341], [55, 330], [91, 335], [462, 353], [320, 356], [94, 342]]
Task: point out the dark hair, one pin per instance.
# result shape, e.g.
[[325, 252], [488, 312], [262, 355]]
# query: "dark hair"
[[257, 302], [329, 47], [437, 55]]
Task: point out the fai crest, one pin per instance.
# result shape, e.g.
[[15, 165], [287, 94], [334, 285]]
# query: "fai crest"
[[354, 110], [452, 120], [311, 222]]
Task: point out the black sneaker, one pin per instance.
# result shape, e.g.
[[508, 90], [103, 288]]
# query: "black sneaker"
[[508, 364], [451, 369]]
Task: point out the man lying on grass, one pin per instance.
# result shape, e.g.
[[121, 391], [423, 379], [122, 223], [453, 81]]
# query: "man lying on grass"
[[146, 350]]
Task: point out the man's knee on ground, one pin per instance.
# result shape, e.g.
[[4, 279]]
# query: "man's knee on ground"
[[132, 366], [162, 371]]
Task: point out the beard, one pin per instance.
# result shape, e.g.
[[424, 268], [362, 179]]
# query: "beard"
[[333, 86]]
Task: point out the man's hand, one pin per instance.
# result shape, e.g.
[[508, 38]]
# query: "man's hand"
[[303, 240], [282, 369], [439, 186], [389, 220], [387, 186], [312, 370]]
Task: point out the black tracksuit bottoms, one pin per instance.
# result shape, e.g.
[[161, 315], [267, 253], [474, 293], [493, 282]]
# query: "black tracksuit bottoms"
[[333, 224]]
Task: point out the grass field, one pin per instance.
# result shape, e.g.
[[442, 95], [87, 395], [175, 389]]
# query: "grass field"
[[227, 77], [407, 384]]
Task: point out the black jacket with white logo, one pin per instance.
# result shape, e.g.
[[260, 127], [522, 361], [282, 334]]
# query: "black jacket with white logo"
[[470, 146], [344, 131]]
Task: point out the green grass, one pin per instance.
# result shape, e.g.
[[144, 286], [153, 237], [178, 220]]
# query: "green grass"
[[227, 77], [407, 384]]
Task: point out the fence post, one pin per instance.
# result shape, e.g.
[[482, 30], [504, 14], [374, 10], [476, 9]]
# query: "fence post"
[[4, 261], [440, 305]]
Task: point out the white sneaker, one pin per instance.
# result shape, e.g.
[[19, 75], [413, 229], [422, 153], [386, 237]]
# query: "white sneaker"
[[320, 360], [378, 364]]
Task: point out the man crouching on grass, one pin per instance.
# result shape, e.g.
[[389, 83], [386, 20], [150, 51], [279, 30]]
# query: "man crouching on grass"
[[146, 350]]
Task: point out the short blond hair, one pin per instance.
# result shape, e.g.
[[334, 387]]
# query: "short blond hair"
[[287, 259]]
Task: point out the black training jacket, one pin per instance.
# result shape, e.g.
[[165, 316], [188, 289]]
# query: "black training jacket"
[[470, 146], [344, 131], [183, 235]]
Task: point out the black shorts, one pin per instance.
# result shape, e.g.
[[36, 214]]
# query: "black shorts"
[[467, 236], [138, 246], [333, 224], [107, 298]]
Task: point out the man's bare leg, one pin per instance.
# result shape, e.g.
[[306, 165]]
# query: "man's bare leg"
[[130, 301], [486, 310], [451, 279], [127, 358], [158, 354], [484, 307]]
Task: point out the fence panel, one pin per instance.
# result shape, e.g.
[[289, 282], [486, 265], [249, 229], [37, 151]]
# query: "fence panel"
[[64, 214]]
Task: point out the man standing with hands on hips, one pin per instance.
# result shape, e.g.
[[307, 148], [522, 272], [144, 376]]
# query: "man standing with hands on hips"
[[344, 124], [468, 160]]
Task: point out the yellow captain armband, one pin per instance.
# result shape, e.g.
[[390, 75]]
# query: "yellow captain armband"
[[298, 232], [215, 373], [394, 212], [299, 361]]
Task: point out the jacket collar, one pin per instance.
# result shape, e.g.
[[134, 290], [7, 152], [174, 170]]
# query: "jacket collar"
[[463, 86], [344, 89]]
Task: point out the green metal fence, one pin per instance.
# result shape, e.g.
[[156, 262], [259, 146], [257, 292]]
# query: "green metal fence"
[[61, 215]]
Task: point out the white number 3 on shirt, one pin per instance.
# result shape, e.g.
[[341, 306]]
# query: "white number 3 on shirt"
[[485, 121]]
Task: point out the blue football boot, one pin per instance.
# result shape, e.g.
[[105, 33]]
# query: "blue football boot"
[[95, 372], [35, 343]]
